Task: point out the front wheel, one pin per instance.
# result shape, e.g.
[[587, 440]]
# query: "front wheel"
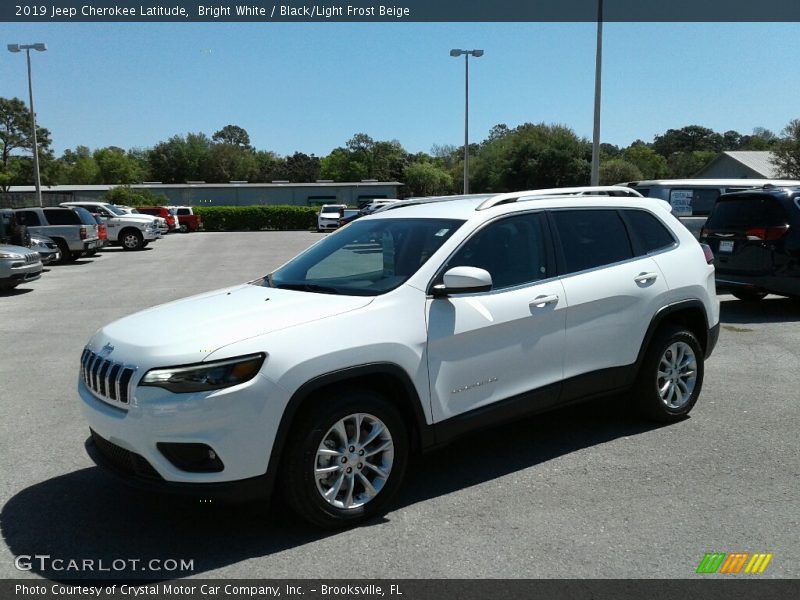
[[671, 375], [131, 239], [346, 460]]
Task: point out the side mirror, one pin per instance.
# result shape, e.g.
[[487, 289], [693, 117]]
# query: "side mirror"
[[461, 280]]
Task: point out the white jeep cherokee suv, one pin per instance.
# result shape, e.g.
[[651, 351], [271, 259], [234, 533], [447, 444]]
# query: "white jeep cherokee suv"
[[395, 334]]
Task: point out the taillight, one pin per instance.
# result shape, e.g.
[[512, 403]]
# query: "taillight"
[[708, 253], [83, 232], [766, 234]]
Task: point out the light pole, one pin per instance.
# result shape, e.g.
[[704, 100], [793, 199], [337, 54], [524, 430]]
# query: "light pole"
[[477, 54], [39, 47], [598, 64]]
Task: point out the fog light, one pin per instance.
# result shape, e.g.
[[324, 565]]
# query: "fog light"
[[194, 458]]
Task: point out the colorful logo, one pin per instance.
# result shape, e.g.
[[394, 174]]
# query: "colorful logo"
[[732, 564]]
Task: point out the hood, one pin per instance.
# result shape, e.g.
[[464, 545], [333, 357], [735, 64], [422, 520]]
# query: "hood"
[[9, 248], [189, 330]]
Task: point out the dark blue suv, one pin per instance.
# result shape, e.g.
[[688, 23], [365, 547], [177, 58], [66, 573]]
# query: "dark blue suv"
[[755, 236]]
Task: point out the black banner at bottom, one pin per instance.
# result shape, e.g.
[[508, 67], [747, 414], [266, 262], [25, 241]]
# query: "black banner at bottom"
[[407, 589]]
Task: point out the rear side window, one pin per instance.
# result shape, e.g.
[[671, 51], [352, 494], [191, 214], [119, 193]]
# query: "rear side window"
[[649, 233], [591, 238], [149, 211], [739, 212], [183, 211], [61, 216], [688, 202], [27, 218]]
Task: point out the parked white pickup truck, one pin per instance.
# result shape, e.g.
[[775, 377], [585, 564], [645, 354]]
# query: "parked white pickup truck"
[[132, 232]]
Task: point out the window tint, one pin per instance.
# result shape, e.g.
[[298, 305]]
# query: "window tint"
[[644, 191], [85, 216], [61, 216], [183, 211], [591, 238], [150, 211], [27, 218], [746, 211], [649, 231], [511, 250]]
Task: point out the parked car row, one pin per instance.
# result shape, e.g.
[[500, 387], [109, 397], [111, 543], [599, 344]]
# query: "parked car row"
[[33, 237]]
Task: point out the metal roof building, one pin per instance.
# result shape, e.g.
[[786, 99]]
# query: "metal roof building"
[[740, 164], [223, 194]]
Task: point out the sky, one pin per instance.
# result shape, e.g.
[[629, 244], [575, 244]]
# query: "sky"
[[310, 86]]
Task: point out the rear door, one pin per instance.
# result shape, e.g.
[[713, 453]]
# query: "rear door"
[[742, 231]]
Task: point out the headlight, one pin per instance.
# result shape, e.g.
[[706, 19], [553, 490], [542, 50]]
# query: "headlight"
[[203, 377], [12, 255]]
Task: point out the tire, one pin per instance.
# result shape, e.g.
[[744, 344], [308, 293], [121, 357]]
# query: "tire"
[[66, 253], [749, 295], [670, 377], [131, 239], [184, 228], [315, 443]]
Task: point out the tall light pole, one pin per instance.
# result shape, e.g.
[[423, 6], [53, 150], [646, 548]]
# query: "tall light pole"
[[477, 54], [598, 65], [39, 47]]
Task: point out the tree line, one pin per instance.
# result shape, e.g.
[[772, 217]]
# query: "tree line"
[[525, 157]]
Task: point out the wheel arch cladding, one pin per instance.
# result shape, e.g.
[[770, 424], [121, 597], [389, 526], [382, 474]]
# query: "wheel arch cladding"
[[688, 313], [385, 378]]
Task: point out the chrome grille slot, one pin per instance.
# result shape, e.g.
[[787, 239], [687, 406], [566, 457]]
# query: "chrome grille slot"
[[108, 380]]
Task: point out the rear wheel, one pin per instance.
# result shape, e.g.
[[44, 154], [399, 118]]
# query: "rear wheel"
[[346, 459], [184, 228], [671, 375], [66, 253], [131, 239], [749, 295]]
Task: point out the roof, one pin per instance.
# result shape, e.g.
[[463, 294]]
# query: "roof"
[[105, 188], [758, 161], [711, 182]]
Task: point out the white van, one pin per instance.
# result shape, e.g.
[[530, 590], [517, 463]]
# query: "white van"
[[693, 199]]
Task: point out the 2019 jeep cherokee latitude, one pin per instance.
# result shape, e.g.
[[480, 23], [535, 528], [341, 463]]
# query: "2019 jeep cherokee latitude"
[[397, 333]]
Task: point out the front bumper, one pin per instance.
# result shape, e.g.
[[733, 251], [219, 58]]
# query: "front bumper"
[[133, 470], [238, 423]]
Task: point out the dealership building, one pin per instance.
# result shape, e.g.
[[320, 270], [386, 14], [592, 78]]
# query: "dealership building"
[[220, 194]]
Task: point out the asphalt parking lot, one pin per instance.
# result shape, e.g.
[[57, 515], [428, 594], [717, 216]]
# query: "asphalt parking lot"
[[583, 492]]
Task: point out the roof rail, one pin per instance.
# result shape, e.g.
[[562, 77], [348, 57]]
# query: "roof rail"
[[430, 200], [589, 190]]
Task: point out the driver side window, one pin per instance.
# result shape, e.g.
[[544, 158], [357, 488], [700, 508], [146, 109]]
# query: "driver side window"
[[512, 250]]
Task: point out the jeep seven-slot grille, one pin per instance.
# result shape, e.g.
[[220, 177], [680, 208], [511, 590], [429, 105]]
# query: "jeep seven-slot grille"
[[106, 378], [31, 258]]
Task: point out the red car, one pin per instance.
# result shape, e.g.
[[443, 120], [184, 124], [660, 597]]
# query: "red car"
[[165, 213]]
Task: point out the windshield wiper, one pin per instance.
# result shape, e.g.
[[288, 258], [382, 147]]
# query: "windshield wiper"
[[307, 287]]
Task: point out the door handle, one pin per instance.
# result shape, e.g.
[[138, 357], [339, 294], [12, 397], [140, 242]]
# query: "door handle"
[[645, 277], [542, 301]]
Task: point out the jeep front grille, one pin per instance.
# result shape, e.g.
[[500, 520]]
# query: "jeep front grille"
[[31, 258], [109, 380]]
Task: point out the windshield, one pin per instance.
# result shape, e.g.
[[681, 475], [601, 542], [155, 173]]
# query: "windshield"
[[330, 211], [366, 258]]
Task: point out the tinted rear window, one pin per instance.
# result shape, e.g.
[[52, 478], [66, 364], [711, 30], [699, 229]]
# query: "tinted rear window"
[[651, 233], [85, 216], [591, 238], [149, 211], [183, 211], [746, 211], [61, 216]]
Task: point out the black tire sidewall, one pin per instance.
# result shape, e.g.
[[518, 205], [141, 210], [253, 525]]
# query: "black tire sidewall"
[[300, 487], [128, 232], [647, 397]]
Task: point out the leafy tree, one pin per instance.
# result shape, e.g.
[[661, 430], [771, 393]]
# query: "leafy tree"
[[532, 156], [686, 164], [339, 165], [228, 162], [299, 167], [688, 139], [761, 139], [15, 134], [786, 152], [618, 170], [115, 166], [180, 159], [76, 167], [128, 196], [426, 179], [267, 163], [651, 164], [234, 135]]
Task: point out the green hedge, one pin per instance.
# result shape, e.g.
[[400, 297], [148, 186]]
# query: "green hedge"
[[256, 218]]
